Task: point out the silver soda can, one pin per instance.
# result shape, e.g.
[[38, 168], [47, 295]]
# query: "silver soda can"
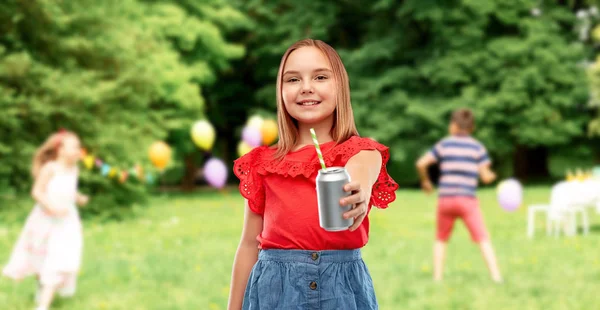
[[330, 190]]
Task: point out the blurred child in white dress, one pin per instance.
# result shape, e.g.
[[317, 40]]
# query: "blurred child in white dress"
[[51, 243]]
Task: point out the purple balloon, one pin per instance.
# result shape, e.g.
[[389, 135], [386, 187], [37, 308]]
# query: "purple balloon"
[[215, 172], [510, 195], [252, 136]]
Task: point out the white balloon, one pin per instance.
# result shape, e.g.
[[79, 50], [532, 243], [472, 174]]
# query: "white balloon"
[[255, 121]]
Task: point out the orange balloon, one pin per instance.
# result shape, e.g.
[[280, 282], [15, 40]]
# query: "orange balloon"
[[269, 131], [160, 154]]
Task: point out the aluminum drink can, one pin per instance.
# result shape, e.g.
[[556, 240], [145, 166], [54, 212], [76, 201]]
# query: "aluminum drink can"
[[330, 190]]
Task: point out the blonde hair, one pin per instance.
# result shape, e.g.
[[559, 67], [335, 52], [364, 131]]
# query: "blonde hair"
[[48, 151], [343, 122]]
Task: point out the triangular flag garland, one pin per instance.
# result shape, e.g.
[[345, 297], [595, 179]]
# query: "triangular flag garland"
[[90, 162]]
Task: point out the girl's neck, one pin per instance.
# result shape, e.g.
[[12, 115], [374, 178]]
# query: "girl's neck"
[[323, 131]]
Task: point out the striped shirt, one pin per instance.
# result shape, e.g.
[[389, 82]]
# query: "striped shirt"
[[460, 158]]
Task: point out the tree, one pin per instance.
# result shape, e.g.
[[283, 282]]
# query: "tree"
[[412, 62], [119, 73]]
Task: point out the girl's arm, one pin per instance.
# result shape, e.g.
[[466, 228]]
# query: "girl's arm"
[[81, 199], [38, 192], [363, 168], [245, 257]]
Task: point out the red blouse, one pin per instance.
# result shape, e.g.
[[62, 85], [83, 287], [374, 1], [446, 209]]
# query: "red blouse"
[[283, 193]]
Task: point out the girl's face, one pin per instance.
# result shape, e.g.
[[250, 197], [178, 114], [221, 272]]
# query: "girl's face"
[[308, 86], [70, 149]]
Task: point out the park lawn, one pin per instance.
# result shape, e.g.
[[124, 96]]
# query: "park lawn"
[[177, 254]]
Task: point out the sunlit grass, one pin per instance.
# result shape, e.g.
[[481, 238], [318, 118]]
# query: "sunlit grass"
[[178, 255]]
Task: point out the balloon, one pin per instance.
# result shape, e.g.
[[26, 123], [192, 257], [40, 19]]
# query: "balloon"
[[243, 148], [83, 152], [215, 172], [510, 194], [252, 136], [269, 131], [88, 161], [203, 135], [160, 154], [255, 121], [105, 169], [98, 163]]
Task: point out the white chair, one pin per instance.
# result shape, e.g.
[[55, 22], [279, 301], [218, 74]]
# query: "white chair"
[[561, 213], [567, 221], [531, 211]]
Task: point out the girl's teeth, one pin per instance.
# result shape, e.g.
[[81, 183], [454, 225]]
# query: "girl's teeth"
[[309, 103]]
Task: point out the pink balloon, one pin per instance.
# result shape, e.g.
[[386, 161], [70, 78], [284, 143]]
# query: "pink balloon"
[[215, 172], [510, 195], [252, 136]]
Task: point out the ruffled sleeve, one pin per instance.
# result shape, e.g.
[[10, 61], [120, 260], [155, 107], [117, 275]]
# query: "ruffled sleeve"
[[384, 189], [251, 183]]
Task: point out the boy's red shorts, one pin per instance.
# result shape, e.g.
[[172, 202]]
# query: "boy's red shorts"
[[466, 208]]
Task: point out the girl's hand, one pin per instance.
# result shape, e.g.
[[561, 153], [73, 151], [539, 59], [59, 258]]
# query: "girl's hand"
[[57, 211], [82, 200], [359, 199]]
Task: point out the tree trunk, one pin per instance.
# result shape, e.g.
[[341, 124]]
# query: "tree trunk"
[[530, 163], [189, 179]]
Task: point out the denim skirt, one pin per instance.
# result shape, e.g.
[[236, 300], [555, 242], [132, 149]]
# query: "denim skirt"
[[299, 279]]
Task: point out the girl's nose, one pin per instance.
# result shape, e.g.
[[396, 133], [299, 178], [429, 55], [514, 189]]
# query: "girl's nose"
[[307, 88]]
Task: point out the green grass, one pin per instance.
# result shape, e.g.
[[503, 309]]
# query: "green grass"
[[178, 255]]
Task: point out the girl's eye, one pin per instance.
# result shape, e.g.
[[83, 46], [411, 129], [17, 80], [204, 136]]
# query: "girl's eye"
[[291, 80], [321, 77]]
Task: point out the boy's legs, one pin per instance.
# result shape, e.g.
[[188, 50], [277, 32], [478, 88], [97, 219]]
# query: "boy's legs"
[[445, 223], [474, 222], [439, 255], [490, 259]]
